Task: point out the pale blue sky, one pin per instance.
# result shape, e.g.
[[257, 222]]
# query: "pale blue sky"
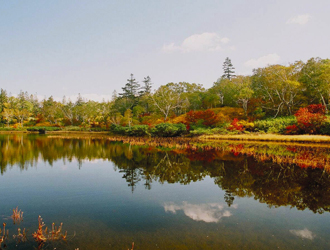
[[91, 47]]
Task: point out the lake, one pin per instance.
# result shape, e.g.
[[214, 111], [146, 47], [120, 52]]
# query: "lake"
[[217, 196]]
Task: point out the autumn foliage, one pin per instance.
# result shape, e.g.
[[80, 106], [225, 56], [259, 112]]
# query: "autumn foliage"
[[309, 120], [236, 125], [207, 117]]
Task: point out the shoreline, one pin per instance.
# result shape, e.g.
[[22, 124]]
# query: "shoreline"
[[312, 139]]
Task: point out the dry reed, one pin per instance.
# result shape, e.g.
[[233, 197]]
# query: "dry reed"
[[4, 235], [17, 215], [43, 235], [270, 138]]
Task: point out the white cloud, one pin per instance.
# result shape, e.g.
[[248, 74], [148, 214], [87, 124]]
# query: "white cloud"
[[209, 212], [305, 234], [301, 19], [262, 61], [199, 42]]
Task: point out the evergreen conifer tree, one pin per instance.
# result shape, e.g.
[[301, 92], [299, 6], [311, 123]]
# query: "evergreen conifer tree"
[[228, 69], [131, 88], [146, 89], [130, 93]]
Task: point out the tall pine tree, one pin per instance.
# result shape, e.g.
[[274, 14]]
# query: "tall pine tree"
[[228, 69], [146, 88], [131, 88], [130, 93]]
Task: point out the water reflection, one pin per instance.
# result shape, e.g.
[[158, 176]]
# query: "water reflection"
[[277, 175], [210, 212], [304, 234]]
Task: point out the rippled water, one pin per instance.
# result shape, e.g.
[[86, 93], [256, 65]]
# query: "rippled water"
[[109, 194]]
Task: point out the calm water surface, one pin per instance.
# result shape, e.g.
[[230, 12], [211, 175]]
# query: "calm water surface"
[[109, 194]]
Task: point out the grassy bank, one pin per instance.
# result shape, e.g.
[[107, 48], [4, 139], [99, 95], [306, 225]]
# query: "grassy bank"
[[269, 137], [323, 139]]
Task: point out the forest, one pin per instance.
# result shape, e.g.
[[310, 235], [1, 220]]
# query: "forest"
[[292, 99]]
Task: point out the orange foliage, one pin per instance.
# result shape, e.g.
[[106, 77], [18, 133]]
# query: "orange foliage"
[[179, 119], [150, 120], [44, 124]]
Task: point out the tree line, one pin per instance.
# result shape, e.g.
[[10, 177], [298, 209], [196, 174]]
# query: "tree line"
[[271, 91]]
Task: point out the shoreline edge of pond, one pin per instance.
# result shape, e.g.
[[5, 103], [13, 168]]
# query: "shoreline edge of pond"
[[215, 137]]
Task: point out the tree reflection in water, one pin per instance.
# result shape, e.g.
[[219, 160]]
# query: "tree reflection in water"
[[278, 175]]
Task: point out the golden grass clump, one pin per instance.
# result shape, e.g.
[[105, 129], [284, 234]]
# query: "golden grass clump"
[[43, 235], [17, 215], [39, 235]]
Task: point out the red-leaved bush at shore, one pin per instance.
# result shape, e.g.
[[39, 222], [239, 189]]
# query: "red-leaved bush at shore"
[[235, 125], [309, 120]]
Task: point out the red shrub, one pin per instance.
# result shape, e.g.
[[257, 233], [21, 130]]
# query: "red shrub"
[[235, 125], [310, 119], [316, 109], [193, 116]]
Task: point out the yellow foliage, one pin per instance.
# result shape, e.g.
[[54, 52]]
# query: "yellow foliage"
[[158, 121], [230, 112], [247, 125], [178, 119]]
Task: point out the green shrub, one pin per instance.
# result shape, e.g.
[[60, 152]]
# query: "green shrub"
[[274, 125], [118, 129], [208, 131], [168, 130], [136, 130], [74, 128]]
